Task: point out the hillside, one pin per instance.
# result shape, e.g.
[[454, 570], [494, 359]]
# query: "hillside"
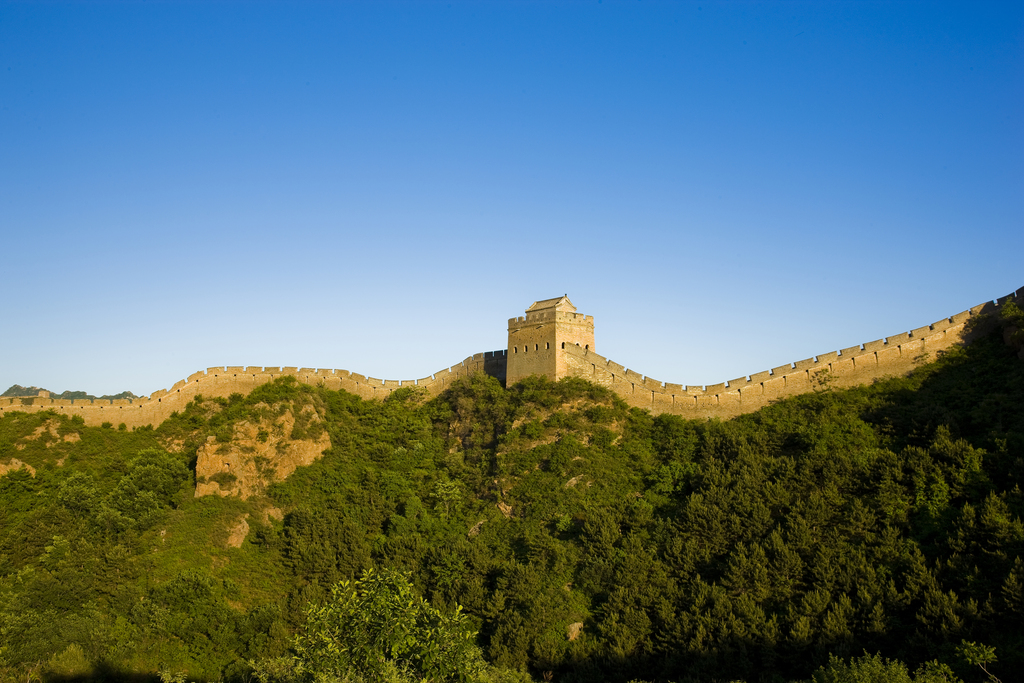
[[585, 540]]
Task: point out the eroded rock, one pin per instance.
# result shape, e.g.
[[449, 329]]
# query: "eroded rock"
[[259, 453]]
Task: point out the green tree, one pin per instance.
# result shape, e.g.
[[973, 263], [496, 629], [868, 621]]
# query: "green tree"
[[372, 626]]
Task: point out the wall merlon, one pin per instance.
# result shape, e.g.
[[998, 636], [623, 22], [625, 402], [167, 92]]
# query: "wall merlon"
[[673, 388], [826, 358], [898, 339], [715, 388], [178, 385], [374, 381], [694, 390], [921, 332], [874, 345], [758, 377], [805, 364], [850, 352], [394, 383], [307, 371], [219, 370], [272, 371], [1004, 299], [196, 376], [939, 326], [654, 384], [963, 316], [289, 371], [781, 370], [738, 382], [976, 310]]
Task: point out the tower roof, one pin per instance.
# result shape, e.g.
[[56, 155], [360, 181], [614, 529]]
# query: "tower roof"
[[561, 303]]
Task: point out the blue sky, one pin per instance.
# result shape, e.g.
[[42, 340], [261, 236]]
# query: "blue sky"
[[726, 187]]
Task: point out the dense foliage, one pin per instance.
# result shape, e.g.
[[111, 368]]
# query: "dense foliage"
[[842, 535]]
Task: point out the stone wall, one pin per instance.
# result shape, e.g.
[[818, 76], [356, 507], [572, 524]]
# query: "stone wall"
[[535, 342], [895, 355], [224, 381], [859, 364]]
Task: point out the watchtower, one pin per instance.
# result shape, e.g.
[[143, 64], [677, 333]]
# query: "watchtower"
[[535, 342]]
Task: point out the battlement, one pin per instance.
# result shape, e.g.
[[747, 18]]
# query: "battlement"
[[554, 340], [890, 356], [222, 381]]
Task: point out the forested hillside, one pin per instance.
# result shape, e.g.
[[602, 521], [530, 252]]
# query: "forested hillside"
[[583, 540]]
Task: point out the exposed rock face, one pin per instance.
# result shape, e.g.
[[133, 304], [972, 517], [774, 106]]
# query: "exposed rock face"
[[14, 465], [237, 533], [260, 453]]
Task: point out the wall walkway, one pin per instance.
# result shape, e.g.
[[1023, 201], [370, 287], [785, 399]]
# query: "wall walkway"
[[224, 381], [895, 355]]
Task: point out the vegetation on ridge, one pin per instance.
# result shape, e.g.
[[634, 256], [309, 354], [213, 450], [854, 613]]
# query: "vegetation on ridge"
[[838, 535]]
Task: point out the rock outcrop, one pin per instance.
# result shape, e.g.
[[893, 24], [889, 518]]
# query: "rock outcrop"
[[260, 452]]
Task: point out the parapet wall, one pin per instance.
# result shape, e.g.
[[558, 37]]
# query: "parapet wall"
[[224, 381], [895, 355]]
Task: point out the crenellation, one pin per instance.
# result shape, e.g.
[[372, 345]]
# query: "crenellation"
[[963, 316], [556, 340], [758, 377], [654, 384], [986, 308]]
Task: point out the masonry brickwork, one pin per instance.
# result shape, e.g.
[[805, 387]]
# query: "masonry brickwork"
[[552, 339], [537, 340]]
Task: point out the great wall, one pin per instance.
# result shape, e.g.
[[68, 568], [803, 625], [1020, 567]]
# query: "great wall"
[[562, 344]]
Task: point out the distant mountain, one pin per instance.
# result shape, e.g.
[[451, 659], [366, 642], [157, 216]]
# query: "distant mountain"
[[18, 390]]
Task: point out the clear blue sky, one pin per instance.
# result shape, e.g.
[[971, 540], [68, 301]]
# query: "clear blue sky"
[[379, 186]]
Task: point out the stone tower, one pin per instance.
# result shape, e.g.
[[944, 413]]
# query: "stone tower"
[[535, 342]]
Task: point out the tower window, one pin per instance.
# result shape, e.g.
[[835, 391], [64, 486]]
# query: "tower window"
[[547, 345], [588, 347], [515, 349], [563, 345], [536, 347]]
